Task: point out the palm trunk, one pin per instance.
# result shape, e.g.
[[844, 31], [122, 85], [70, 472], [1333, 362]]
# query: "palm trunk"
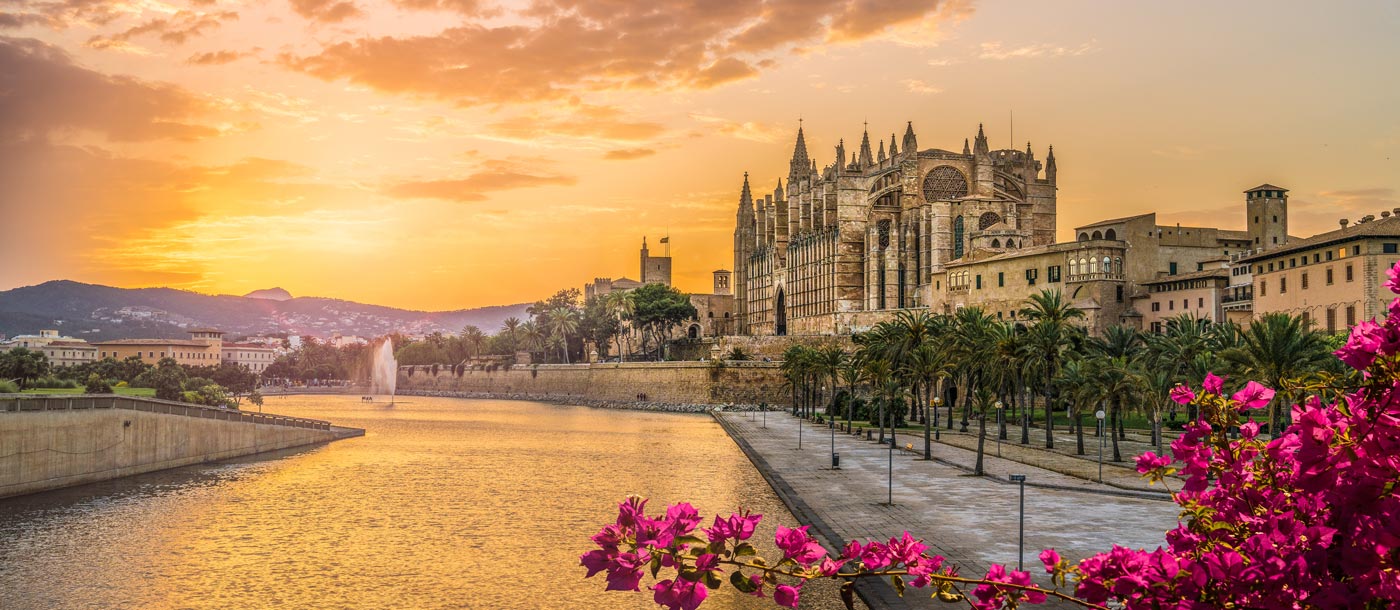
[[882, 420], [928, 421], [1115, 418], [1079, 433], [1049, 421], [981, 443]]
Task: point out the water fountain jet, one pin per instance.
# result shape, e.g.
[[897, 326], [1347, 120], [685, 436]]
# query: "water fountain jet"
[[385, 374]]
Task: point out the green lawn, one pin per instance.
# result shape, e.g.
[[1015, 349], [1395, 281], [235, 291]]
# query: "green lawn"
[[147, 392]]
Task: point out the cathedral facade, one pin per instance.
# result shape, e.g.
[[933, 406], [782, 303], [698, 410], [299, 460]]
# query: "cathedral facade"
[[841, 247]]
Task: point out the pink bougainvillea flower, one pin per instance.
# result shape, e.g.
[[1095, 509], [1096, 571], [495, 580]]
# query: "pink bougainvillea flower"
[[1254, 396], [786, 596], [1149, 462], [682, 518], [739, 526], [798, 546], [1182, 395], [679, 594], [1213, 384], [1249, 430], [1050, 558]]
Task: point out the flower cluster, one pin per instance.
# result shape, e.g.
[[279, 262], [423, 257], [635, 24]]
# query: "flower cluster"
[[695, 560], [1308, 519]]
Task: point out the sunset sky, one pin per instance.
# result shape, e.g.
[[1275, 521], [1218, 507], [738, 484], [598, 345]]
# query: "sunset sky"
[[440, 154]]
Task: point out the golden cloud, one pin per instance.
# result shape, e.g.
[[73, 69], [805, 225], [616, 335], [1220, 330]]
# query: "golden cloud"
[[627, 154], [557, 49], [489, 176], [43, 92]]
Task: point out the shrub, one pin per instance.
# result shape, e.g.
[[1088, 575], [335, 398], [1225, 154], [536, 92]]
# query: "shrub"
[[51, 382], [8, 387], [97, 385]]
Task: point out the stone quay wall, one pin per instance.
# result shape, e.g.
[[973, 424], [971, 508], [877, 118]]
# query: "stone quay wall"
[[49, 442], [662, 383]]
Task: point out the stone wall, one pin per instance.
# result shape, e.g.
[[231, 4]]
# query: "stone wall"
[[52, 442], [661, 382]]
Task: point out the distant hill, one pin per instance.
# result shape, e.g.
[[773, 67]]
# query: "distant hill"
[[95, 312], [272, 294]]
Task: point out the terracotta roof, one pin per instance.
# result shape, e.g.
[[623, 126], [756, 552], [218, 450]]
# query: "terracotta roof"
[[1267, 187], [203, 329], [77, 344], [1114, 221], [184, 342], [1194, 275], [248, 346], [1381, 227]]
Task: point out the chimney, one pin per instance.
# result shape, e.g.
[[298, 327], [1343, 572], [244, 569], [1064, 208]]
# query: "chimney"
[[1366, 218], [1344, 222]]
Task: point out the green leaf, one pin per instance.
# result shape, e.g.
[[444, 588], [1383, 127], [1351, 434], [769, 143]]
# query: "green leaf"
[[759, 561], [848, 595], [692, 541], [770, 578], [717, 547], [744, 549], [742, 582], [655, 565], [898, 584], [712, 580], [691, 575]]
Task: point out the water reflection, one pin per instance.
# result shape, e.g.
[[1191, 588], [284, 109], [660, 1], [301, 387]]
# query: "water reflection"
[[443, 504]]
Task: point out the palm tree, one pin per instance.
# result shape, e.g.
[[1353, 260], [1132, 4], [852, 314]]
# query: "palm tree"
[[828, 362], [1051, 336], [1118, 342], [509, 326], [532, 338], [1277, 349], [1117, 381], [473, 337], [1082, 389], [969, 347], [852, 373], [562, 322], [929, 364], [622, 303]]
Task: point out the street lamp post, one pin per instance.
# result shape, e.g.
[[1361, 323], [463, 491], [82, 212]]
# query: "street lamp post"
[[1099, 415], [1000, 410], [1021, 541], [890, 499], [937, 402]]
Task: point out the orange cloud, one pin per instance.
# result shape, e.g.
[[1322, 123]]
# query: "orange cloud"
[[326, 11], [582, 121], [215, 58], [568, 47], [175, 29], [490, 176], [43, 92], [627, 154]]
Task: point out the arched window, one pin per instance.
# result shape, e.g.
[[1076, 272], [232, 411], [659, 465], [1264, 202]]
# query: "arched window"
[[1010, 244], [1107, 265], [957, 236], [1083, 237], [996, 243], [943, 183], [1098, 235], [1110, 234], [1118, 265], [986, 220], [1073, 267], [1086, 265]]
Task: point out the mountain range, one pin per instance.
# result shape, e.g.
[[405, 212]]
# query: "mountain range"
[[94, 312]]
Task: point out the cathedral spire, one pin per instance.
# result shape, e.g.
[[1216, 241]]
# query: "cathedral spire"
[[778, 192], [867, 159], [911, 143], [746, 196], [966, 149], [894, 150], [1050, 165], [881, 156], [840, 154], [799, 155], [1029, 154], [979, 146]]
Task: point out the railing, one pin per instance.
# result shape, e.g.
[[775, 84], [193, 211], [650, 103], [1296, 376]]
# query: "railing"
[[18, 403], [1086, 277]]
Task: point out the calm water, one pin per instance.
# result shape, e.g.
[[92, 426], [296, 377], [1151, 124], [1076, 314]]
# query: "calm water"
[[444, 503]]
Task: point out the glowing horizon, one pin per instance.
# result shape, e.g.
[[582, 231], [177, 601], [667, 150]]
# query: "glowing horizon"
[[447, 154]]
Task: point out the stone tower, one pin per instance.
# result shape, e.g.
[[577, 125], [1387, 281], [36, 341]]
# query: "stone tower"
[[722, 282], [655, 269], [1266, 212]]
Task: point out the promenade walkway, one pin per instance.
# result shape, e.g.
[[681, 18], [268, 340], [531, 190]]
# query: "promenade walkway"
[[970, 520]]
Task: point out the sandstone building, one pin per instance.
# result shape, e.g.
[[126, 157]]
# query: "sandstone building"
[[714, 311], [837, 250]]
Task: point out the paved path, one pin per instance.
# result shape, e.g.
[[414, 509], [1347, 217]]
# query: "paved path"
[[970, 520]]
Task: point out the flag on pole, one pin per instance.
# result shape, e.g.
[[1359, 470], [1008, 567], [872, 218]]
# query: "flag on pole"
[[666, 240]]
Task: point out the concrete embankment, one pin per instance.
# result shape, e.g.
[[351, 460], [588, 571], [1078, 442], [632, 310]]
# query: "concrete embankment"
[[49, 442], [566, 399]]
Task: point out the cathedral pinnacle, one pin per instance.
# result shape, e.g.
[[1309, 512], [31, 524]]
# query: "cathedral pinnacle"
[[778, 192], [799, 154], [894, 150], [979, 145], [745, 195], [911, 143], [966, 149], [867, 158], [881, 155]]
